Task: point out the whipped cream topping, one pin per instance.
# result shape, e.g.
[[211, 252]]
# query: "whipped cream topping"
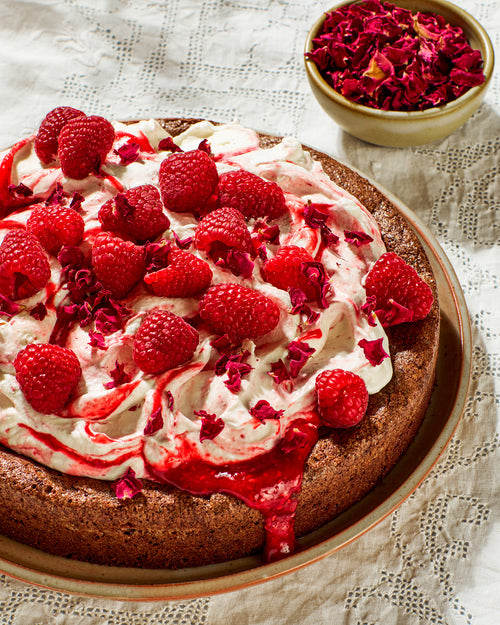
[[101, 432]]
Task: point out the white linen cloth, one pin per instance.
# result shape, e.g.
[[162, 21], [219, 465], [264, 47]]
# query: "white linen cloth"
[[436, 559]]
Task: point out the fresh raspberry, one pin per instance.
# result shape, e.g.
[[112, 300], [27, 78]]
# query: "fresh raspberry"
[[163, 341], [238, 311], [47, 139], [137, 214], [24, 265], [400, 293], [118, 265], [84, 143], [186, 275], [47, 375], [55, 226], [253, 196], [284, 271], [342, 398], [223, 229], [187, 181]]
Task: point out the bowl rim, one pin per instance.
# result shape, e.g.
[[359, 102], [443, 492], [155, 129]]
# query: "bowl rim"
[[429, 113]]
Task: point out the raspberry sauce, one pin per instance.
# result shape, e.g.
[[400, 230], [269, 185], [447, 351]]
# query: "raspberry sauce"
[[269, 483], [9, 202]]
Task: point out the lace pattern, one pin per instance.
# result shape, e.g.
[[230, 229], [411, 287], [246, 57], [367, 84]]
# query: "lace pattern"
[[436, 558]]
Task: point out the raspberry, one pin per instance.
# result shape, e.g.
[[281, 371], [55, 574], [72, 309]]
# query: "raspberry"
[[163, 341], [238, 311], [137, 214], [84, 143], [24, 265], [253, 196], [55, 226], [400, 293], [118, 265], [187, 181], [221, 229], [185, 276], [342, 398], [47, 375], [47, 139], [284, 271]]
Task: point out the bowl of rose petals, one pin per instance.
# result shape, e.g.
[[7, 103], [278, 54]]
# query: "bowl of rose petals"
[[399, 74]]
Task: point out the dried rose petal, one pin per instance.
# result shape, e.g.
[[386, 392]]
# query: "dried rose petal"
[[204, 146], [127, 486], [169, 145], [357, 237], [97, 340], [65, 316], [298, 299], [235, 367], [154, 424], [38, 312], [182, 244], [374, 351], [315, 216], [71, 257], [57, 195], [316, 274], [20, 190], [157, 255], [170, 400], [395, 315], [279, 372], [298, 354], [112, 318], [122, 207], [369, 309], [128, 153], [118, 376], [263, 411], [8, 307], [211, 425], [237, 262], [76, 201], [293, 439], [385, 57]]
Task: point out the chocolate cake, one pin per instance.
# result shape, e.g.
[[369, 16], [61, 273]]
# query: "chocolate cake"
[[167, 518]]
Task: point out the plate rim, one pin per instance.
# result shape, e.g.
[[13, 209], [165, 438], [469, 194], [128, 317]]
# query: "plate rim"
[[261, 572]]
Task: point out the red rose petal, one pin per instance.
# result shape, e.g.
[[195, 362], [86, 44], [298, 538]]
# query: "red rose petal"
[[374, 351], [127, 486]]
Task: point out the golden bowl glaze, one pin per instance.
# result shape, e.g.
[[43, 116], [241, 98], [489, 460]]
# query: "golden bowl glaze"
[[401, 128]]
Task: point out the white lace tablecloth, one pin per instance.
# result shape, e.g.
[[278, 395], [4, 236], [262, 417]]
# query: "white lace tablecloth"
[[437, 558]]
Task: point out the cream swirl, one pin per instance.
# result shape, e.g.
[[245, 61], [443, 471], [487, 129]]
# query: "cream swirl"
[[102, 430]]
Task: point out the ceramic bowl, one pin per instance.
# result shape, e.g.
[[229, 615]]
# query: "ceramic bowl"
[[401, 128]]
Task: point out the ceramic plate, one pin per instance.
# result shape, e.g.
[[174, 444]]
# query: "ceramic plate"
[[444, 412]]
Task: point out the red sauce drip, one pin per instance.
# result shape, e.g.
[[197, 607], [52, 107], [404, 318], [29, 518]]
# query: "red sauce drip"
[[97, 437], [269, 483], [9, 203], [51, 290], [114, 181], [10, 224], [315, 333], [321, 248], [101, 407], [55, 445], [141, 140]]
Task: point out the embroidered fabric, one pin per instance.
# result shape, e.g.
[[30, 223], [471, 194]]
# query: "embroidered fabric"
[[436, 558]]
